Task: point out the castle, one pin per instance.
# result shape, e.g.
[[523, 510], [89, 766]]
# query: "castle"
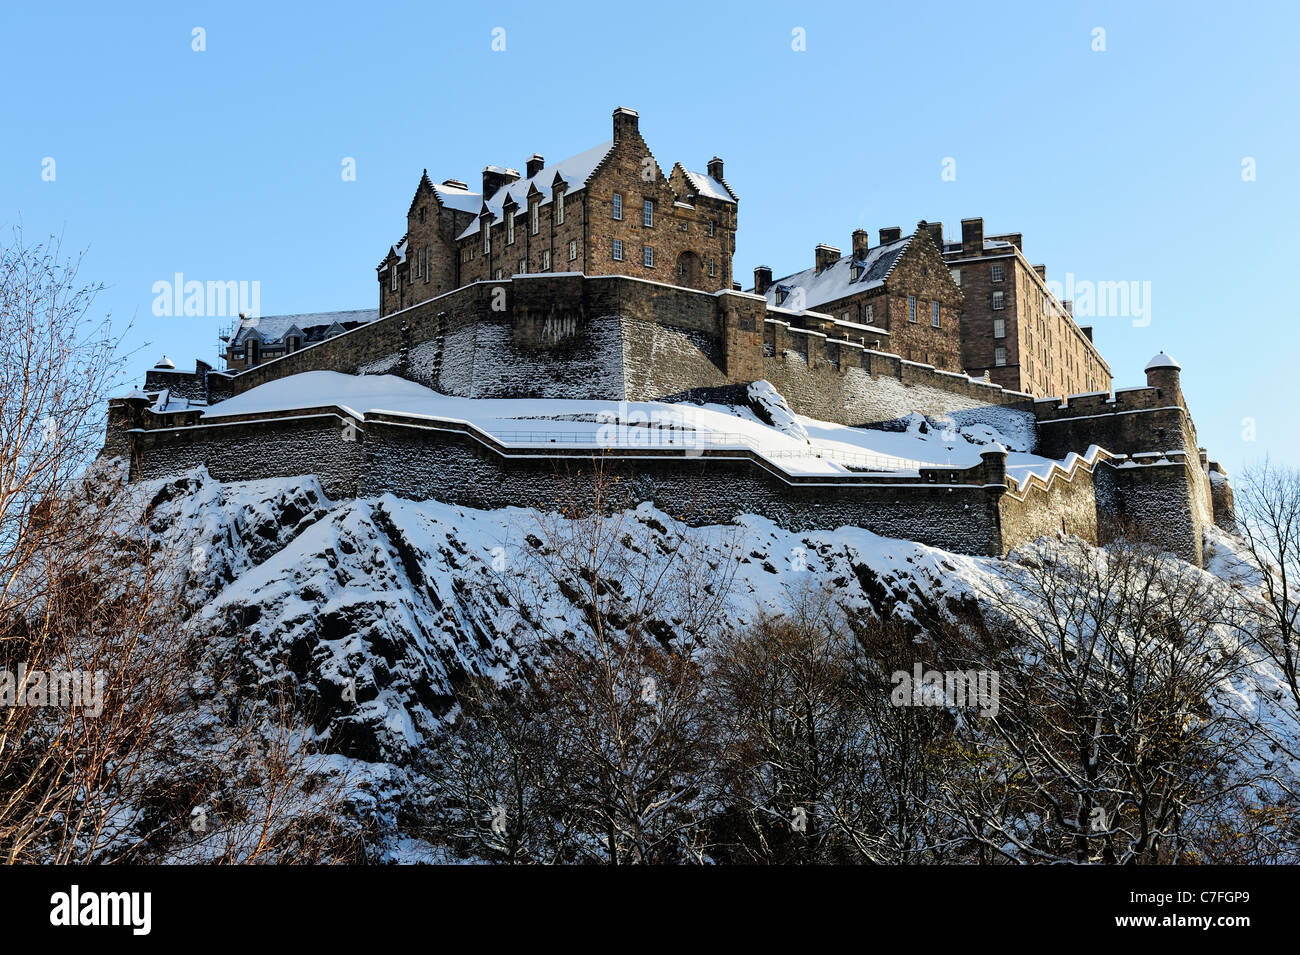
[[602, 278]]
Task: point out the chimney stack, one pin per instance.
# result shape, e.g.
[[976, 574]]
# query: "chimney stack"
[[892, 234], [1042, 271], [494, 177], [1087, 331], [625, 123], [825, 256], [861, 241], [715, 168], [535, 165], [972, 235], [936, 233], [762, 279]]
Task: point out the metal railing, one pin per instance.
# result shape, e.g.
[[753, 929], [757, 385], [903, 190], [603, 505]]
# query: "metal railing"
[[671, 439]]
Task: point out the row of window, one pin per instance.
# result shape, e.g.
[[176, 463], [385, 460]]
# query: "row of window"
[[911, 311], [648, 214]]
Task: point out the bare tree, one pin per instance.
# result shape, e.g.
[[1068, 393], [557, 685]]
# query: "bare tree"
[[615, 698], [1267, 504], [1109, 746]]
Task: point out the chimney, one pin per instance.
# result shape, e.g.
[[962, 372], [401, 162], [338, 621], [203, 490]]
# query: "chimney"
[[625, 122], [762, 279], [535, 165], [1042, 271], [1068, 305], [972, 235], [825, 256], [715, 168], [494, 177], [1087, 331], [861, 241], [936, 233], [892, 234]]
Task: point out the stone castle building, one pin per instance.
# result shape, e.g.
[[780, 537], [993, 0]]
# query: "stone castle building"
[[609, 210], [1013, 328], [473, 303]]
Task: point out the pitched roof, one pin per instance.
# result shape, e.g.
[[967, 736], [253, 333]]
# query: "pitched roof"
[[836, 280], [273, 328], [705, 185], [462, 200], [575, 171]]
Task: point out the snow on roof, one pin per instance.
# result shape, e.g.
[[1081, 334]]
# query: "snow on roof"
[[837, 280], [575, 171], [273, 328], [462, 200], [705, 185], [1163, 361], [165, 362]]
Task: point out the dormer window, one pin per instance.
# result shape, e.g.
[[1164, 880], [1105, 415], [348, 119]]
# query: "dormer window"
[[487, 237], [392, 277], [510, 229], [535, 219], [854, 271], [559, 207]]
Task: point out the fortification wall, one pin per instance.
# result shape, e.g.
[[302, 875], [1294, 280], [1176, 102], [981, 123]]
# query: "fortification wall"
[[310, 443], [846, 383], [1152, 502]]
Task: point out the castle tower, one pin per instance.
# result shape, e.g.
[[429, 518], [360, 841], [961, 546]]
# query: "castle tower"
[[1163, 373]]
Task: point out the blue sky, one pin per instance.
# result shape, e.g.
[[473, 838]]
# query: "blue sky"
[[1117, 165]]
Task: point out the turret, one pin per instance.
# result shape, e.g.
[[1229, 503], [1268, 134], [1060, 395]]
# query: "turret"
[[1163, 373]]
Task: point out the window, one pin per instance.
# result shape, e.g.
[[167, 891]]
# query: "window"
[[956, 276], [997, 300], [868, 312], [618, 205], [573, 249], [844, 316], [911, 308], [546, 259], [487, 238], [618, 250], [854, 271], [510, 228], [426, 265], [999, 328], [523, 267], [254, 350], [535, 218], [999, 356], [497, 274], [712, 225], [934, 314], [712, 268], [997, 273], [648, 256], [392, 278], [559, 208], [648, 214]]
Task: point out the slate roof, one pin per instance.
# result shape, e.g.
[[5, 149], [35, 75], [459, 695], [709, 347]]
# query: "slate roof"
[[837, 280]]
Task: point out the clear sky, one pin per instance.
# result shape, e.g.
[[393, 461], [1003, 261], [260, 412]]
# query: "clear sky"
[[1171, 157]]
